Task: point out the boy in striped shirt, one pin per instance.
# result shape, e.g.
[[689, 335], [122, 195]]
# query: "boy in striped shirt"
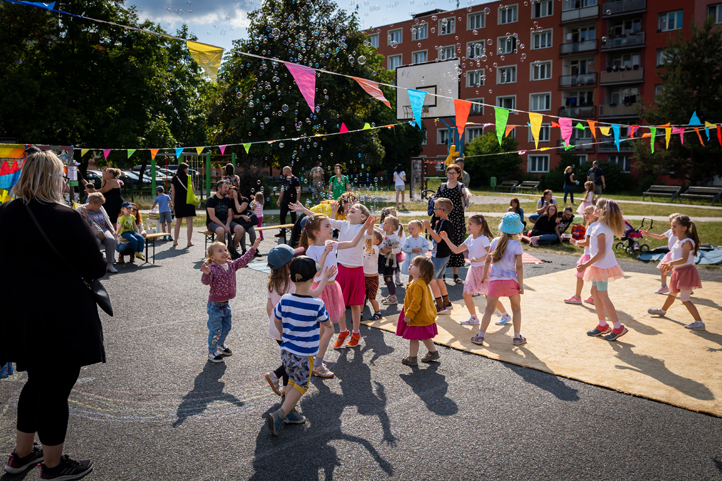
[[298, 317]]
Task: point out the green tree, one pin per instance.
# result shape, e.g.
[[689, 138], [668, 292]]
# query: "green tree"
[[692, 82], [482, 166]]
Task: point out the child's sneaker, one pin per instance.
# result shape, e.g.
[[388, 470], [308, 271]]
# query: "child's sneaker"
[[140, 256], [376, 317], [355, 338], [273, 382], [599, 330], [616, 334], [398, 282], [390, 301], [696, 325], [505, 319], [66, 470], [215, 356], [225, 351], [478, 339], [449, 306], [519, 341], [274, 421], [656, 311], [294, 417], [573, 300], [441, 310], [17, 465], [472, 321], [590, 300], [322, 371], [341, 339], [662, 290]]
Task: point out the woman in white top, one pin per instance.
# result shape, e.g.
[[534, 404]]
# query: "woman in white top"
[[400, 185]]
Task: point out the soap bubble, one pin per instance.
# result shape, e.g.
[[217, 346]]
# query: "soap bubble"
[[475, 32], [489, 42], [608, 12], [502, 58], [239, 95], [350, 59], [259, 182], [487, 10], [604, 40], [284, 107], [394, 44], [361, 60]]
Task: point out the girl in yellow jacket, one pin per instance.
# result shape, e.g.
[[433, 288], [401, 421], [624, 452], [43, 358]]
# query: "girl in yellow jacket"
[[417, 321]]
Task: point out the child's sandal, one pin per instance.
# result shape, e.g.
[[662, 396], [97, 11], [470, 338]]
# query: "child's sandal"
[[431, 357], [410, 361], [458, 280]]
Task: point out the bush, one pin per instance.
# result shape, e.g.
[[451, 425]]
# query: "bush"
[[503, 167]]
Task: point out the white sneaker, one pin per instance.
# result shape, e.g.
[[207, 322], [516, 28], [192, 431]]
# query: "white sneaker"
[[390, 301], [472, 321], [505, 319], [112, 269], [696, 325], [657, 311]]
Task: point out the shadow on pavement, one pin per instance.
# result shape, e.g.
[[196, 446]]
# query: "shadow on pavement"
[[207, 388], [434, 397]]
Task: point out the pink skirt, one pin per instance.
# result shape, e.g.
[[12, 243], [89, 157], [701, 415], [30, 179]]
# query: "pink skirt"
[[353, 284], [596, 274], [581, 261], [332, 297], [505, 288], [416, 333], [684, 279], [474, 284], [667, 257], [582, 206]]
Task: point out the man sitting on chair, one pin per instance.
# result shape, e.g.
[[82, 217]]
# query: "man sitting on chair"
[[219, 218]]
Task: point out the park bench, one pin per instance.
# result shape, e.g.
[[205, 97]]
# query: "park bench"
[[702, 193], [527, 185], [662, 191], [510, 184]]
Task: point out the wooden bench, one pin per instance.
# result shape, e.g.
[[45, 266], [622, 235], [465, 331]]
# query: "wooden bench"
[[694, 192], [150, 239], [507, 183], [527, 185], [662, 191]]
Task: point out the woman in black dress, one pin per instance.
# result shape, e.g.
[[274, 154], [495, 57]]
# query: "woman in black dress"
[[182, 208], [455, 192], [110, 189]]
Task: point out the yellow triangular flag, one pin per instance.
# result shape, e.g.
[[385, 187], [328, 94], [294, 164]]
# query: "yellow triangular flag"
[[710, 125], [366, 126], [545, 148], [535, 120], [83, 152], [667, 135], [207, 56], [605, 131], [199, 150]]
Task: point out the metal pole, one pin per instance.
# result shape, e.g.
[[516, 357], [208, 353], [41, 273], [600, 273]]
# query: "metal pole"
[[152, 177], [208, 174]]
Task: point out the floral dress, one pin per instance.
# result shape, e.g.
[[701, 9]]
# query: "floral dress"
[[457, 219]]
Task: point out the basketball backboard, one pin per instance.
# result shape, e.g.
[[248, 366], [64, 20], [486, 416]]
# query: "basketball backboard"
[[438, 78]]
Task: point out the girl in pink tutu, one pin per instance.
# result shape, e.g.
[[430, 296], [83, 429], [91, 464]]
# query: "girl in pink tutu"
[[603, 266], [317, 239], [478, 246], [504, 272], [685, 277], [417, 321], [588, 197], [671, 241], [590, 219]]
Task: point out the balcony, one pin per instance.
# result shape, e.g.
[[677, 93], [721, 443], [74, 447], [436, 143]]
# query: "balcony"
[[580, 145], [630, 41], [578, 47], [621, 7], [581, 112], [609, 146], [580, 80], [622, 76], [614, 110], [578, 14]]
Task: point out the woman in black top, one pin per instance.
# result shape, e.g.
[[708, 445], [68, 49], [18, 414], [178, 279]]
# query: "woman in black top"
[[545, 229], [182, 208], [569, 184], [51, 343], [110, 188]]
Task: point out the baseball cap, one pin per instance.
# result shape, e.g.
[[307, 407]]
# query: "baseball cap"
[[279, 256], [303, 268], [126, 204]]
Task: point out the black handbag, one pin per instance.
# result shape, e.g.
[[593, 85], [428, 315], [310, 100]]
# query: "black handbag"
[[252, 222], [101, 296]]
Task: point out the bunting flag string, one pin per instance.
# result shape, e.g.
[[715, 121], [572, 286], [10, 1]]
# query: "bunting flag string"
[[372, 88]]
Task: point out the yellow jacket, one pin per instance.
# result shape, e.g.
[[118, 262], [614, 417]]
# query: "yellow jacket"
[[419, 304]]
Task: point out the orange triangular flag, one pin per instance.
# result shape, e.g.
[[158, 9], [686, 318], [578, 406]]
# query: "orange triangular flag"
[[462, 108], [592, 123], [509, 128], [372, 88], [699, 135], [153, 153], [554, 124]]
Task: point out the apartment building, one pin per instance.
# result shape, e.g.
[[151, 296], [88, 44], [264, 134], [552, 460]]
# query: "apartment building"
[[584, 59]]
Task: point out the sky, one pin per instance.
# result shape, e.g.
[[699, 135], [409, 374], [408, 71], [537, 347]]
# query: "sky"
[[219, 22]]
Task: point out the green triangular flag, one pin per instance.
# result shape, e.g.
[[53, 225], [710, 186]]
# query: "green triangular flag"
[[568, 147], [502, 117], [131, 152], [366, 126], [653, 131], [579, 126], [247, 147]]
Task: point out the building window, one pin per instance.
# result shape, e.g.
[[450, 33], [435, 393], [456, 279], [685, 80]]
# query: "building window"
[[538, 163], [426, 136], [582, 159], [541, 40], [374, 40], [508, 103], [658, 91], [395, 36], [544, 133], [476, 108], [476, 21], [670, 21], [624, 162], [716, 12], [419, 57], [475, 78], [442, 137], [541, 70], [475, 49], [508, 14], [420, 32], [542, 9], [577, 4], [471, 133], [661, 57], [506, 75], [541, 102], [448, 26], [624, 59], [506, 45], [394, 61], [446, 53]]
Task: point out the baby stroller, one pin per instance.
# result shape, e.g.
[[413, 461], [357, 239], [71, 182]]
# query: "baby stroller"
[[631, 237]]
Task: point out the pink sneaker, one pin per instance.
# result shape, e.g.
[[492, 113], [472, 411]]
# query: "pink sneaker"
[[573, 300], [662, 290], [535, 242], [590, 300]]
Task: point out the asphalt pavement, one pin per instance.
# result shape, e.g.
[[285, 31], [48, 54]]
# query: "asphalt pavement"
[[158, 410]]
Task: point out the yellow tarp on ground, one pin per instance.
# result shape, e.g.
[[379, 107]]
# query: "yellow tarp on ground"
[[658, 359]]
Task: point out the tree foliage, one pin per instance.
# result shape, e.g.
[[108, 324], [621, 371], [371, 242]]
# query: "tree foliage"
[[503, 167]]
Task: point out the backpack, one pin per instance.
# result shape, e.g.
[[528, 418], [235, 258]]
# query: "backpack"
[[592, 174], [430, 206]]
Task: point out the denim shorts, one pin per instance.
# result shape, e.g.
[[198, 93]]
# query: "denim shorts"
[[439, 266]]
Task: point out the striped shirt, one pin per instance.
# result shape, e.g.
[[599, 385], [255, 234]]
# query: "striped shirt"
[[301, 317]]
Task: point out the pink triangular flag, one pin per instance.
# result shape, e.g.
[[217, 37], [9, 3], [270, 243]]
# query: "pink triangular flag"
[[565, 125], [461, 109], [344, 129], [223, 148], [679, 131], [372, 88], [305, 78], [106, 152]]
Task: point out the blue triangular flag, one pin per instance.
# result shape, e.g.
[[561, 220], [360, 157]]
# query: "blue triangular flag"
[[694, 120], [615, 128], [416, 98], [178, 152]]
